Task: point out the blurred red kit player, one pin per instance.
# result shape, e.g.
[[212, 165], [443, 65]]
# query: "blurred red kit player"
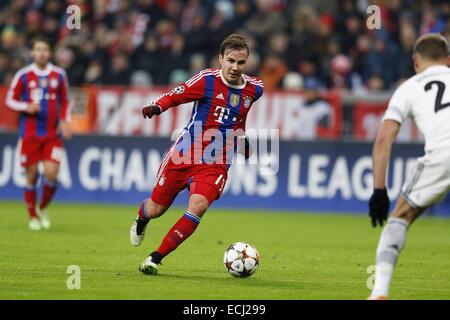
[[222, 99], [40, 92]]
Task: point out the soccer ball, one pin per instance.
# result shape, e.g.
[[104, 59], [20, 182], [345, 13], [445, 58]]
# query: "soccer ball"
[[241, 259]]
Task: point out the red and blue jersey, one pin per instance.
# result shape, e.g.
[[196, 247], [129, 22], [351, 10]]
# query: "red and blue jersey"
[[220, 108], [47, 87]]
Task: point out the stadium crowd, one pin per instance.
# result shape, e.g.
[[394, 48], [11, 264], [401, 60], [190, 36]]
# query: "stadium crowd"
[[295, 44]]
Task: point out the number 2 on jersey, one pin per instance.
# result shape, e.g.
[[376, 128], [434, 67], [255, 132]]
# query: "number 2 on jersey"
[[440, 93]]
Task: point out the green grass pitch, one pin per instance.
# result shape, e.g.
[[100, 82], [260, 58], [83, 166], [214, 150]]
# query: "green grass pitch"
[[303, 256]]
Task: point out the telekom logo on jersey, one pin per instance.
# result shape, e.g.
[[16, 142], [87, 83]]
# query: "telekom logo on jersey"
[[223, 114]]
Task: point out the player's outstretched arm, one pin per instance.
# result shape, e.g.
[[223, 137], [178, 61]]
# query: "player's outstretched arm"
[[379, 201], [191, 90]]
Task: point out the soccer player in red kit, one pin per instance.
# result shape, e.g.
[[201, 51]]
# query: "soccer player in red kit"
[[222, 98], [40, 92]]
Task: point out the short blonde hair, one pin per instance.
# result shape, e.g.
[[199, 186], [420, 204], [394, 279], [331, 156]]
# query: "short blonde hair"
[[432, 46]]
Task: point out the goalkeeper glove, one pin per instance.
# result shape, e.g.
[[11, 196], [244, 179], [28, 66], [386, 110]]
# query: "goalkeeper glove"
[[151, 110], [379, 206]]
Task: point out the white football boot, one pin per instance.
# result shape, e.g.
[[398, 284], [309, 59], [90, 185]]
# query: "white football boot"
[[137, 232], [148, 267], [34, 224], [44, 218]]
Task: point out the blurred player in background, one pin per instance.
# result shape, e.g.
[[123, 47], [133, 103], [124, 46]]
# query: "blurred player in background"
[[40, 92], [222, 99], [424, 97]]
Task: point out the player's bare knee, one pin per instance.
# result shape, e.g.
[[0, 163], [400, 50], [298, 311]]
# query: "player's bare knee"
[[32, 175], [51, 174], [405, 211], [52, 177], [198, 205], [406, 214], [160, 210], [31, 170], [155, 210]]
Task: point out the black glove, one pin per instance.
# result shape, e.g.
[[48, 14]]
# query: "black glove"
[[244, 147], [379, 206], [151, 110]]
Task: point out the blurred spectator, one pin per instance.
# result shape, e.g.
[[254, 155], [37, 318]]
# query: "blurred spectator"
[[145, 57], [272, 71], [304, 27], [375, 83], [293, 81], [4, 60], [360, 51], [94, 73], [65, 57], [353, 26], [152, 10], [197, 63], [340, 72], [265, 21], [197, 37], [118, 71], [308, 69], [178, 76], [140, 78], [175, 59], [219, 26], [253, 63], [404, 67], [243, 10], [315, 111], [278, 45], [431, 22]]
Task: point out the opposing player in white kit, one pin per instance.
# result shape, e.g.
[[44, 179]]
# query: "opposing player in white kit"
[[424, 97]]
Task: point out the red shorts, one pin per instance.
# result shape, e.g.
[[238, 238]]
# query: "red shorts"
[[205, 179], [35, 149]]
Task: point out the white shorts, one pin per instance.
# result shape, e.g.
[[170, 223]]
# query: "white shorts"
[[430, 180]]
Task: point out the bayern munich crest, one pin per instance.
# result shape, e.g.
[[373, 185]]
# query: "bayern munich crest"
[[162, 180], [247, 102]]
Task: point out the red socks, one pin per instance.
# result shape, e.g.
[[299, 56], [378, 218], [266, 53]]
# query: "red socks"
[[29, 193], [47, 194], [30, 200], [179, 232]]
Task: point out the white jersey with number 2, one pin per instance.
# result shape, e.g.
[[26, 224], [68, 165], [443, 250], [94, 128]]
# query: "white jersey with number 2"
[[425, 98]]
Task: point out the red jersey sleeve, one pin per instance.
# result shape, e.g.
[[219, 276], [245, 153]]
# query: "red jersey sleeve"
[[66, 107], [13, 97], [191, 90]]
